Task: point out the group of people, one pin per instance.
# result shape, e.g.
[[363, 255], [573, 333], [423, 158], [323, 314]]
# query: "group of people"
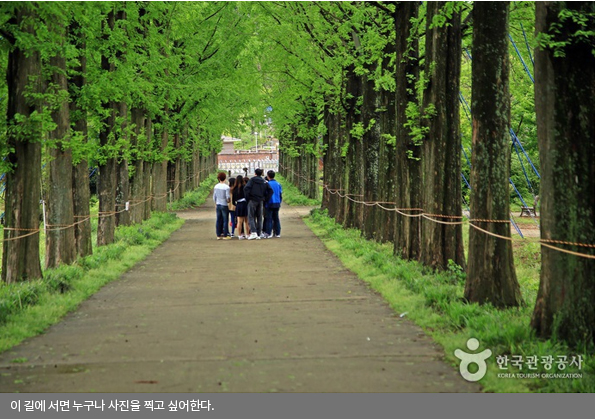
[[249, 204]]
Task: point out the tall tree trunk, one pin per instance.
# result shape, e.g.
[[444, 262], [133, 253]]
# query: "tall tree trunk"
[[491, 277], [326, 161], [565, 108], [174, 181], [106, 188], [60, 243], [371, 150], [385, 220], [195, 168], [160, 187], [148, 171], [355, 159], [334, 163], [183, 164], [408, 191], [139, 196], [122, 177], [137, 184], [20, 257], [442, 146], [342, 170], [81, 192]]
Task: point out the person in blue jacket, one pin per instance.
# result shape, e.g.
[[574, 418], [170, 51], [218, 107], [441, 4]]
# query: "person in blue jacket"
[[272, 227]]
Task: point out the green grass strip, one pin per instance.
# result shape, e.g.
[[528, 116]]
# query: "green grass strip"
[[293, 196], [195, 198]]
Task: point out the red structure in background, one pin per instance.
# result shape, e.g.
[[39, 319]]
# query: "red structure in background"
[[266, 156]]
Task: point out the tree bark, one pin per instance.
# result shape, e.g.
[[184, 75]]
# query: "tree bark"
[[385, 220], [60, 243], [106, 188], [371, 149], [122, 177], [408, 193], [491, 277], [565, 109], [81, 192], [442, 146], [137, 184], [148, 171], [160, 189], [20, 257], [355, 159]]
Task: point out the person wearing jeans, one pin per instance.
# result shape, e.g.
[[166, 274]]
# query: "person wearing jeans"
[[257, 192], [272, 226], [221, 198]]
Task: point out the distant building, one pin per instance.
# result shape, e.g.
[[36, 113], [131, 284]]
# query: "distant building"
[[267, 155], [228, 145]]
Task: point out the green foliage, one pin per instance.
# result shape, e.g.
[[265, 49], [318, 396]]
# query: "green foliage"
[[416, 123], [573, 27], [186, 65], [16, 297], [359, 130], [446, 13], [389, 139]]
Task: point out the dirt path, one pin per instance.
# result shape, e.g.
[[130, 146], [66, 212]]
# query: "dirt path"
[[201, 315]]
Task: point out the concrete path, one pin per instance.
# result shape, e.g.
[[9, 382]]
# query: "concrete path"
[[202, 315]]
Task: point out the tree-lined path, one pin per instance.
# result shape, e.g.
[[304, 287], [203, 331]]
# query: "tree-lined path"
[[201, 315]]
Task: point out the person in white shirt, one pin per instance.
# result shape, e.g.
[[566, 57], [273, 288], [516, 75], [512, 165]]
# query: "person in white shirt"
[[221, 198]]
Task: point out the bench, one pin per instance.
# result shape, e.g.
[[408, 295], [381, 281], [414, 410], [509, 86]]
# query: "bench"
[[529, 211]]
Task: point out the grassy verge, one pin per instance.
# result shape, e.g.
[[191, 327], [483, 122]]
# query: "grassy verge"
[[196, 197], [434, 301], [292, 195], [28, 308]]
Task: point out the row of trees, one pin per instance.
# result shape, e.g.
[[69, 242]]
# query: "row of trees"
[[375, 88], [140, 90], [143, 90]]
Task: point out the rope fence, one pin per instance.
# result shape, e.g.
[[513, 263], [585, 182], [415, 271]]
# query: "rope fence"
[[549, 243], [102, 214]]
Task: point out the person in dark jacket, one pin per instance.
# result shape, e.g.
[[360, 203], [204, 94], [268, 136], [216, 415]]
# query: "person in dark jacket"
[[272, 224], [256, 191]]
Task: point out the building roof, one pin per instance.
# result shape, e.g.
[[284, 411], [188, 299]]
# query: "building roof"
[[230, 139]]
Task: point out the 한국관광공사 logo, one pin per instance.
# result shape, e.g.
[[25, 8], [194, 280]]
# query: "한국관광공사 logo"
[[469, 358]]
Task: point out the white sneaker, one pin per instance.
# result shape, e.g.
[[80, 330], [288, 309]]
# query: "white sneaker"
[[253, 236], [278, 236], [242, 237]]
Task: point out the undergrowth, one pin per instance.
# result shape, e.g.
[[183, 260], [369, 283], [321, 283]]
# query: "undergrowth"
[[195, 198], [292, 195], [434, 300]]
